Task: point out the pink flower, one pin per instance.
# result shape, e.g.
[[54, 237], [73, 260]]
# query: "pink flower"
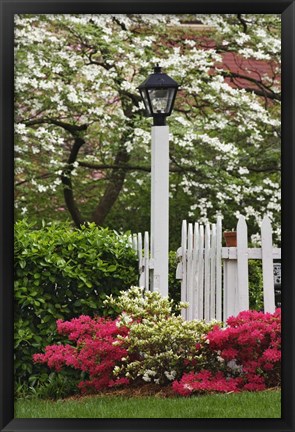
[[94, 353], [253, 341]]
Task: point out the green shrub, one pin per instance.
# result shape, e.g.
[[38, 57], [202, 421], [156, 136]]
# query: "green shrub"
[[255, 285], [52, 386], [173, 283], [58, 386], [61, 273]]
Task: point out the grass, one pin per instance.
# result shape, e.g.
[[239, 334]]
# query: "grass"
[[265, 404]]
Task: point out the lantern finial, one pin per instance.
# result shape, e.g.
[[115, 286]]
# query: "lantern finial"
[[157, 68]]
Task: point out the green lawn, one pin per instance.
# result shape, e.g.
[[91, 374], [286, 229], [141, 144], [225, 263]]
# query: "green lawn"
[[244, 405]]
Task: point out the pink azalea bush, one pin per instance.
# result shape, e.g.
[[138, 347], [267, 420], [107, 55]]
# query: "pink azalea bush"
[[94, 352], [245, 355]]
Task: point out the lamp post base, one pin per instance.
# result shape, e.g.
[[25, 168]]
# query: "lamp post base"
[[159, 120]]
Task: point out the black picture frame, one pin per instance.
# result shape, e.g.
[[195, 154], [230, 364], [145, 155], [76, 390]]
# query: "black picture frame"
[[8, 9]]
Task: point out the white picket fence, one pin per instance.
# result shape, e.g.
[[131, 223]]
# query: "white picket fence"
[[214, 279], [203, 261], [200, 270], [145, 263]]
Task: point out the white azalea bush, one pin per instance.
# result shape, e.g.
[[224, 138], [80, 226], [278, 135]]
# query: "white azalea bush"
[[139, 304], [160, 344]]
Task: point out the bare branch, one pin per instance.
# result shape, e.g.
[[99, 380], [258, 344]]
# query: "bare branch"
[[73, 129], [263, 90]]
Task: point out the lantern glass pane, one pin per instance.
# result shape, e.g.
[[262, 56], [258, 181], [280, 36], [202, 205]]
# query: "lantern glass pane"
[[159, 100], [146, 102], [170, 101]]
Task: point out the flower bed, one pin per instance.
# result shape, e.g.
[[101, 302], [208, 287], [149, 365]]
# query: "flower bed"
[[148, 343]]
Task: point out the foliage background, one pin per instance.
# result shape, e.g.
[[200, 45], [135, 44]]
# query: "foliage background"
[[83, 144]]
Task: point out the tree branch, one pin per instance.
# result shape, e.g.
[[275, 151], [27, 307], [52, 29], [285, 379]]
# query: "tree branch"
[[265, 169], [114, 166], [73, 129], [243, 22], [130, 167], [264, 90]]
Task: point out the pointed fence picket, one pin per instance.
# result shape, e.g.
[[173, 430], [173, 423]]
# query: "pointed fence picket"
[[267, 263], [203, 261]]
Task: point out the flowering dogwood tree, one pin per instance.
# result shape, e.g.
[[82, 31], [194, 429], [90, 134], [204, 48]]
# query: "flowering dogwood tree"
[[82, 145]]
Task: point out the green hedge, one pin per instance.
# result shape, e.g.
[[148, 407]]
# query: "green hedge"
[[61, 272]]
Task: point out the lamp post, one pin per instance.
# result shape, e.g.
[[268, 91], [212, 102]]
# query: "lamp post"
[[158, 93]]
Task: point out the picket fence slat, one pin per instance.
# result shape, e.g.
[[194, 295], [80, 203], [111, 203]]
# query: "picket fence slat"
[[195, 304], [190, 271], [207, 273], [230, 276], [213, 274], [267, 265], [183, 294], [134, 241], [200, 273], [242, 295], [218, 268], [140, 260], [146, 261]]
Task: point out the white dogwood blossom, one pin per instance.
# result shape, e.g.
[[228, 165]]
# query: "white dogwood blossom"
[[76, 79]]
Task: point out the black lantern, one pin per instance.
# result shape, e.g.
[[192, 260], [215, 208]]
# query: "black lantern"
[[158, 93]]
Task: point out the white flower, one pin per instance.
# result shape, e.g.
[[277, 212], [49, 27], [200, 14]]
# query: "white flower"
[[146, 378], [20, 128], [187, 387], [233, 365], [41, 188], [170, 375], [116, 370], [35, 150], [125, 319], [243, 170]]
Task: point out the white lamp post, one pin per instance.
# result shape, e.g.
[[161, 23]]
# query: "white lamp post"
[[158, 92]]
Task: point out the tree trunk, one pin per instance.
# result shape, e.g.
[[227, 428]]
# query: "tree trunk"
[[67, 184], [113, 188]]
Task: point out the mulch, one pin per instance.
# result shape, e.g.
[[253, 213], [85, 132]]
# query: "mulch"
[[144, 390]]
